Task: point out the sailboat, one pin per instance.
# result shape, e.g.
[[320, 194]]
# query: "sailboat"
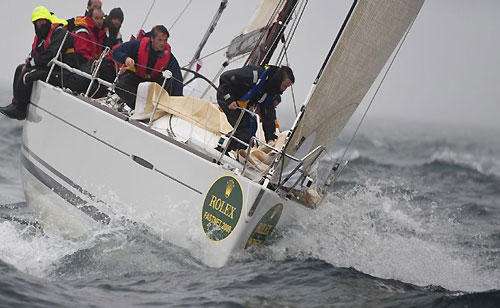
[[85, 164]]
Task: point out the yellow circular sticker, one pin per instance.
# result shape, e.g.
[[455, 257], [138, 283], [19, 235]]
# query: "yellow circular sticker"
[[222, 208]]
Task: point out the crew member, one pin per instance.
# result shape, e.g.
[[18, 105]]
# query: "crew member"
[[91, 4], [49, 36], [112, 26], [257, 88], [112, 39], [145, 60], [89, 35]]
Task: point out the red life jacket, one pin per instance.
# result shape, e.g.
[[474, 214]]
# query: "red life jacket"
[[47, 40], [90, 45], [142, 61]]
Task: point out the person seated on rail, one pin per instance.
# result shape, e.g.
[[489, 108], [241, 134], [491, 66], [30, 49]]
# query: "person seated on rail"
[[49, 34], [257, 88], [90, 5], [145, 60]]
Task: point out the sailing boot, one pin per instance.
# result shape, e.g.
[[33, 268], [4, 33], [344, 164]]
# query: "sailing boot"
[[13, 112]]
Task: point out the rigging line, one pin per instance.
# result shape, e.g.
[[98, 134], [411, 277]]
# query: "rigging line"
[[180, 15], [291, 88], [293, 28], [285, 48], [210, 54], [274, 15], [147, 15], [378, 88], [281, 30], [86, 39]]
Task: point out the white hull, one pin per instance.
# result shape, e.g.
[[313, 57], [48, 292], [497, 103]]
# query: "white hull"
[[84, 165]]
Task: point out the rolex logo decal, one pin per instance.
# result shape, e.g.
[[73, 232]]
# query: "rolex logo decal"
[[229, 188], [222, 208], [265, 226]]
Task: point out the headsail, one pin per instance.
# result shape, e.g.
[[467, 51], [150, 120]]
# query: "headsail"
[[369, 37]]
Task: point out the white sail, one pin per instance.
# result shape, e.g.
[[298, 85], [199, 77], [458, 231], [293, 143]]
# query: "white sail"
[[263, 13], [370, 36]]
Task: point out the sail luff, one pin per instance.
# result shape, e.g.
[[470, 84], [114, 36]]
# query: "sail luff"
[[330, 52]]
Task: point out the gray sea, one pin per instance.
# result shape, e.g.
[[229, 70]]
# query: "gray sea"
[[413, 222]]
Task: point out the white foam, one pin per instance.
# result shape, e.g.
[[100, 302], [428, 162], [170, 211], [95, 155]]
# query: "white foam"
[[385, 238], [33, 255], [485, 164]]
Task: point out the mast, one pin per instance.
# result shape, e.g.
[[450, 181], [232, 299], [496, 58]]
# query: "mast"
[[264, 49], [209, 32]]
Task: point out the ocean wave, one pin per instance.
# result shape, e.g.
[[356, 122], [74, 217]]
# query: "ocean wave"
[[121, 248], [353, 156], [485, 165], [386, 236]]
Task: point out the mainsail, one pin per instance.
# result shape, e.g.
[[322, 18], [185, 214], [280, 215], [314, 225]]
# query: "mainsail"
[[246, 41], [369, 37], [263, 32]]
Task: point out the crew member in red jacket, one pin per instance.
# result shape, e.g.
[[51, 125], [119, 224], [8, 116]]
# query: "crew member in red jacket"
[[88, 38], [49, 36], [90, 5], [89, 35]]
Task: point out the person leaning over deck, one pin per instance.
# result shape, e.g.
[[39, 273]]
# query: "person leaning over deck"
[[49, 36], [145, 59], [253, 87]]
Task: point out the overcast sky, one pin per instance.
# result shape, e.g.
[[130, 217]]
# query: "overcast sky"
[[448, 70]]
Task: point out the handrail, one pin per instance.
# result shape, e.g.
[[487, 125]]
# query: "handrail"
[[166, 75], [96, 70], [319, 149], [57, 55], [81, 73], [224, 149]]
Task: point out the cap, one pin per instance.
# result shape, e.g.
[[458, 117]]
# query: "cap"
[[116, 13]]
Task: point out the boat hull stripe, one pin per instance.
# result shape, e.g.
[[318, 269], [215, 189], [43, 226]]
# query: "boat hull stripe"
[[60, 175], [63, 192], [176, 180]]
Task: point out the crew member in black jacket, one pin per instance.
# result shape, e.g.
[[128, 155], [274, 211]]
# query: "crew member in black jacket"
[[49, 36], [257, 88]]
